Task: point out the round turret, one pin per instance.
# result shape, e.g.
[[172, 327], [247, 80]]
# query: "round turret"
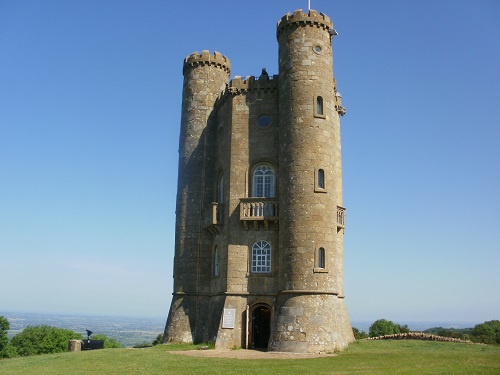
[[207, 59], [312, 18], [205, 78], [311, 314]]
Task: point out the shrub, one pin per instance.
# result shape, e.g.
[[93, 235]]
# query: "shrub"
[[4, 339], [158, 340], [359, 335], [487, 332], [43, 340], [383, 327]]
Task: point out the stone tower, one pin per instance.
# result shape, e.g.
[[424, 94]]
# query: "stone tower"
[[260, 222]]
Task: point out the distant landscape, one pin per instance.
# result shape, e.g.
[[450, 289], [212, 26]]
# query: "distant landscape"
[[130, 331]]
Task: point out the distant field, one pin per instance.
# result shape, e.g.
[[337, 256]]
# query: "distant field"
[[364, 357], [126, 330]]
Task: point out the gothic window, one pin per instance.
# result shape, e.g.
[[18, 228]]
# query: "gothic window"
[[261, 257], [216, 261], [321, 257], [319, 106], [263, 181]]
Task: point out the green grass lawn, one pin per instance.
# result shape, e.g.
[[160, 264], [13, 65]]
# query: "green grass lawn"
[[364, 357]]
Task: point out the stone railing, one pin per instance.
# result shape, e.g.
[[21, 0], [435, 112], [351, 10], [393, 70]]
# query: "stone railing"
[[213, 217], [417, 336], [259, 210], [340, 217]]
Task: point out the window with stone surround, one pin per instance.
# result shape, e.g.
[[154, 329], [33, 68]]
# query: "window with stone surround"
[[319, 180], [263, 181], [261, 257], [319, 107], [321, 257], [320, 260]]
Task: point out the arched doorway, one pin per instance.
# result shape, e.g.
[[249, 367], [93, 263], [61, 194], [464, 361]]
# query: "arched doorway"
[[261, 326]]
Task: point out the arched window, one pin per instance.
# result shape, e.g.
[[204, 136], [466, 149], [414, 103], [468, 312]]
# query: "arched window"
[[220, 189], [263, 181], [319, 106], [261, 257], [321, 179], [321, 257], [216, 261]]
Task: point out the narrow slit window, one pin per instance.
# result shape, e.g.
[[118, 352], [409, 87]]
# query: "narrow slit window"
[[321, 179], [321, 257], [216, 262], [319, 106], [220, 189]]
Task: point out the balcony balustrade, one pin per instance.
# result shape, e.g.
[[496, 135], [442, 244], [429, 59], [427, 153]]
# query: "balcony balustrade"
[[340, 218], [213, 218], [258, 210]]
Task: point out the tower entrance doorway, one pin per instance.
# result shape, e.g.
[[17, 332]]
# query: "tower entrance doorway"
[[261, 326]]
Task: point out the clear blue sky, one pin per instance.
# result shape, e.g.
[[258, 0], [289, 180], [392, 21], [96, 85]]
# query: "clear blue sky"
[[90, 100]]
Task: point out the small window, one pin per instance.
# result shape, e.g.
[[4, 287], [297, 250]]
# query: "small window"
[[216, 261], [264, 121], [319, 106], [220, 189], [321, 179], [321, 257], [261, 257], [263, 182]]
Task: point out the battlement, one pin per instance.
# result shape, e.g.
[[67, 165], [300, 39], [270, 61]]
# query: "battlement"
[[311, 18], [206, 58], [252, 84], [247, 85]]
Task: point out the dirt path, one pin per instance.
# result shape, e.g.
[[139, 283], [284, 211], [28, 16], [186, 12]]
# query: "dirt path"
[[247, 354]]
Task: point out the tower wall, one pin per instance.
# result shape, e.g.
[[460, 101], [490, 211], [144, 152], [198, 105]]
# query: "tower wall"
[[310, 316], [289, 122], [205, 77]]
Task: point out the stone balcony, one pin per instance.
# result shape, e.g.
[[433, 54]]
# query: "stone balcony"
[[340, 218], [259, 210], [213, 218]]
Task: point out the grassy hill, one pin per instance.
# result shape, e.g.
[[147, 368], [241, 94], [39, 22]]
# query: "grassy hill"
[[363, 357]]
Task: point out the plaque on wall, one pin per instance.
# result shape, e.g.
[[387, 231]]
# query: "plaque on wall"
[[228, 318]]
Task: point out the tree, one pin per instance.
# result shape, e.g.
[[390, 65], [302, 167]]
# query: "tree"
[[158, 340], [487, 332], [383, 327], [4, 339], [43, 340], [109, 342], [402, 329], [358, 335]]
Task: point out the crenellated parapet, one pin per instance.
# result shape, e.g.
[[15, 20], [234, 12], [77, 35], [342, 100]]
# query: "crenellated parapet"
[[206, 58], [247, 85], [311, 18], [251, 84]]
